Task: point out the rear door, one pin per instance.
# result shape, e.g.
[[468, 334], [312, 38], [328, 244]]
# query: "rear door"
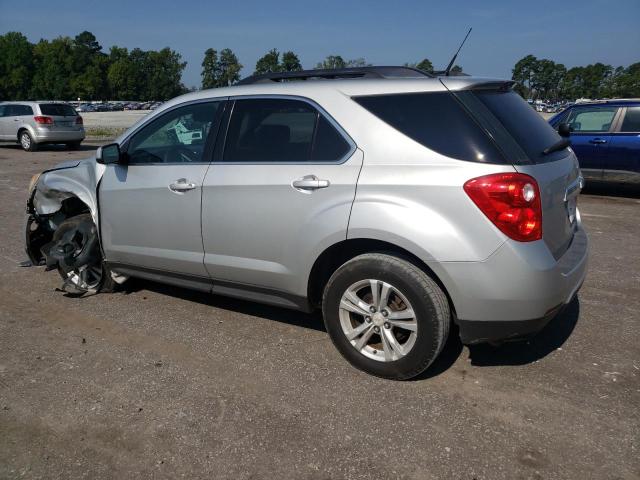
[[591, 136], [150, 206], [623, 160], [279, 191]]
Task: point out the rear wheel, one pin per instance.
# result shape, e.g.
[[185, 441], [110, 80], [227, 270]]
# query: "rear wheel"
[[26, 142], [386, 316], [85, 270]]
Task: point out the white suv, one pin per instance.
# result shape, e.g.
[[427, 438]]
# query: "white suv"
[[395, 201]]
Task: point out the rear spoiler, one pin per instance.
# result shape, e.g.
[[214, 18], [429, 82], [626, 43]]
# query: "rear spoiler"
[[471, 83]]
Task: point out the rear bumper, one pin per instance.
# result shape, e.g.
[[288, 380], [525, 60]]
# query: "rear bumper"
[[517, 290], [43, 135]]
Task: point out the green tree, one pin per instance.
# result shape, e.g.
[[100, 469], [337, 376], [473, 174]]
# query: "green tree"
[[425, 65], [16, 66], [270, 62], [357, 62], [290, 62], [331, 62], [53, 67], [122, 75], [210, 69], [229, 68], [523, 73], [163, 73], [456, 70]]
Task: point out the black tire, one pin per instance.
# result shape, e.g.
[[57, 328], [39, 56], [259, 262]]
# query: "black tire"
[[106, 283], [26, 141], [73, 145], [429, 303]]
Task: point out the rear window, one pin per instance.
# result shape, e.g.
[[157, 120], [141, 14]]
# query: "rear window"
[[57, 109], [436, 120], [526, 126], [631, 121]]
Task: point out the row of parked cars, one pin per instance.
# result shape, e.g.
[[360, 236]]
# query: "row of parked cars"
[[115, 106]]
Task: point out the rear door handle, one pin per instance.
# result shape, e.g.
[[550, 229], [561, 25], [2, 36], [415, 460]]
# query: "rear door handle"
[[310, 182], [597, 140], [181, 186]]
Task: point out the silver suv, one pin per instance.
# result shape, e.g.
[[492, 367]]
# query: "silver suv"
[[35, 123], [396, 202]]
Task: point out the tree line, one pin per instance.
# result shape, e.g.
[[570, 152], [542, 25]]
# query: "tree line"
[[548, 80], [69, 68]]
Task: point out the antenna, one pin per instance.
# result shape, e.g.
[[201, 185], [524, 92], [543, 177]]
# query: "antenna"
[[448, 69]]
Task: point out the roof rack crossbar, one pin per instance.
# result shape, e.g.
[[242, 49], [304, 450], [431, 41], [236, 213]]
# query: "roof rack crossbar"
[[338, 73]]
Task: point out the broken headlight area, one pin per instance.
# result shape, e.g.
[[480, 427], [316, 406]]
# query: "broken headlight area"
[[69, 245]]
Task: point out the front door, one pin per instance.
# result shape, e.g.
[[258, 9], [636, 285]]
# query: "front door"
[[590, 136], [280, 190], [150, 207]]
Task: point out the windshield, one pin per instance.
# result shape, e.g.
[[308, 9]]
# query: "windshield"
[[57, 109]]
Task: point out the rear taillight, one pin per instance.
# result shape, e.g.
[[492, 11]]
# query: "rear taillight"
[[79, 120], [511, 201], [43, 120]]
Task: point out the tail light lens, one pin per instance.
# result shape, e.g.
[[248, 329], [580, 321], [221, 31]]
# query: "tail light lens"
[[79, 120], [511, 201], [43, 120]]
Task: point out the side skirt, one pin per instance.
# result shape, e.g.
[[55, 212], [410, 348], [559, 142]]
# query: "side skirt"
[[216, 287]]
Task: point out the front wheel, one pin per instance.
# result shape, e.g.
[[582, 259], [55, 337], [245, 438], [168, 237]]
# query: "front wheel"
[[76, 248], [386, 316]]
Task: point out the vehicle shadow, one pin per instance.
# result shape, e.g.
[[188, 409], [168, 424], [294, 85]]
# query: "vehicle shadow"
[[552, 336], [296, 318], [627, 190], [56, 148]]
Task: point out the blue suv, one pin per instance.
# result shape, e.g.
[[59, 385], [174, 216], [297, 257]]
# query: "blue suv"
[[605, 136]]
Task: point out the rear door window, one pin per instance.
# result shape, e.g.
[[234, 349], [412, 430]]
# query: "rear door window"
[[57, 109], [278, 130], [20, 110], [436, 120]]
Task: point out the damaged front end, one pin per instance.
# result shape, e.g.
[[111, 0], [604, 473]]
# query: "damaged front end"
[[61, 230]]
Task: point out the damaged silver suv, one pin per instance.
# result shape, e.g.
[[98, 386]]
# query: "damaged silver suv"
[[395, 201]]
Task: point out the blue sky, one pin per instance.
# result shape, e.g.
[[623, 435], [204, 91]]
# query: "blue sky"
[[383, 32]]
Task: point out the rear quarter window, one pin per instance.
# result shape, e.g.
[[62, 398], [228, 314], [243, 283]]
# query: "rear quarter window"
[[436, 120]]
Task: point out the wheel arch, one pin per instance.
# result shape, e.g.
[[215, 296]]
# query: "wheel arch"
[[339, 253]]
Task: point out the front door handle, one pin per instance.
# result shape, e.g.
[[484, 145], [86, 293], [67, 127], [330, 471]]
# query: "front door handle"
[[181, 186], [597, 141], [310, 182]]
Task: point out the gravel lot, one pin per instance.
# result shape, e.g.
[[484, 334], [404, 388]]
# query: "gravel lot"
[[158, 382]]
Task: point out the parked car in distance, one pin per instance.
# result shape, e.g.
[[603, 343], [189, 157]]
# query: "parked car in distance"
[[605, 136], [395, 201], [35, 123], [85, 107]]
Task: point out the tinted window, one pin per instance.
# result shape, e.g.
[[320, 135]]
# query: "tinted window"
[[631, 121], [177, 136], [525, 126], [436, 120], [329, 145], [281, 130], [17, 110], [57, 109], [591, 119], [4, 110]]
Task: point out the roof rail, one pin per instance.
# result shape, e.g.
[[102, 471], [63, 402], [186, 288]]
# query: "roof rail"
[[338, 73]]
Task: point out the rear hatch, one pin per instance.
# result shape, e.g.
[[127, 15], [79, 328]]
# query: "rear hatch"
[[522, 135], [64, 116]]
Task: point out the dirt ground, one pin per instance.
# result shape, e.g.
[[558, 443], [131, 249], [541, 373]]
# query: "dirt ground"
[[159, 382]]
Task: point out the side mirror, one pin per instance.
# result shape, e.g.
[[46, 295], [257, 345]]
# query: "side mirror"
[[108, 154], [564, 130]]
